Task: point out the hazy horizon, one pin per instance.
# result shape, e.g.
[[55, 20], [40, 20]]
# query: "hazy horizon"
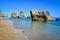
[[7, 6]]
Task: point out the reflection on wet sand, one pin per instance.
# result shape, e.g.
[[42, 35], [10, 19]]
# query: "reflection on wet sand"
[[7, 32]]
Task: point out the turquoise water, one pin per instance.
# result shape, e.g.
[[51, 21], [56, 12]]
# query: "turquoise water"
[[40, 30]]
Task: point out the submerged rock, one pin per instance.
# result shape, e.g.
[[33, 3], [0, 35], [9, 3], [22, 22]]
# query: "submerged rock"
[[21, 15], [41, 16]]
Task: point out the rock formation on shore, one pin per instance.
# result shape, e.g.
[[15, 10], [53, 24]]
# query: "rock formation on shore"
[[6, 16], [21, 15], [1, 14], [13, 15], [37, 15]]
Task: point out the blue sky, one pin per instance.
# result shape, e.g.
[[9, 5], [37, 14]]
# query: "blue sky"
[[53, 6]]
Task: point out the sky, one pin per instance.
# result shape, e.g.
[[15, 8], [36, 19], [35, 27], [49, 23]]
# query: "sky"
[[8, 6]]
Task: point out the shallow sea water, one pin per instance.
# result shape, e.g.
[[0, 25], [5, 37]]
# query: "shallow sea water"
[[38, 30]]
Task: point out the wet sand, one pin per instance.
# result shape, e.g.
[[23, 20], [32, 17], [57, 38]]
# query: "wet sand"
[[7, 32]]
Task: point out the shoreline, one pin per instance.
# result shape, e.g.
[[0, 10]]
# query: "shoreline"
[[7, 32]]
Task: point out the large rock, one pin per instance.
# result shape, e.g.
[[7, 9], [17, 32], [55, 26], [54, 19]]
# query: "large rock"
[[5, 16], [41, 16], [21, 15], [1, 14], [13, 15]]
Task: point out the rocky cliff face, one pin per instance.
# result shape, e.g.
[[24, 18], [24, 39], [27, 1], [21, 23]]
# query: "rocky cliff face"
[[21, 15], [41, 16]]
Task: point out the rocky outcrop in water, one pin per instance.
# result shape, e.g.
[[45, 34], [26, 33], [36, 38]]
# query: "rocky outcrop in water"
[[21, 15], [5, 16], [1, 14], [13, 15], [37, 15]]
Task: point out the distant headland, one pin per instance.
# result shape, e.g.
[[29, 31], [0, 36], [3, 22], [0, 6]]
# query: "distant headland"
[[35, 15]]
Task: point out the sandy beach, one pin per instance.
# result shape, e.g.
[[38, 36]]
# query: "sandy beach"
[[7, 32]]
